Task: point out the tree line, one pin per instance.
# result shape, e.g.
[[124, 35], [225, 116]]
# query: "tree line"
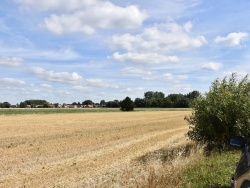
[[151, 99]]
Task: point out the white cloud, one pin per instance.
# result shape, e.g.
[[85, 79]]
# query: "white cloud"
[[149, 58], [11, 61], [101, 83], [136, 71], [167, 77], [55, 5], [214, 66], [81, 88], [132, 90], [93, 16], [181, 88], [232, 39], [11, 82], [46, 86], [160, 39], [62, 77], [173, 78], [61, 54]]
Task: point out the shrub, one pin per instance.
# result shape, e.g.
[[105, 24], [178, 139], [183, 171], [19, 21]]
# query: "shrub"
[[222, 112], [127, 104]]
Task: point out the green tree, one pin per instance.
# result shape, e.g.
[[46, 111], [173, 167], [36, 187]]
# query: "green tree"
[[35, 102], [222, 112], [140, 103], [102, 103], [113, 104], [46, 105], [23, 104], [168, 103], [87, 102], [127, 104], [154, 99], [6, 105]]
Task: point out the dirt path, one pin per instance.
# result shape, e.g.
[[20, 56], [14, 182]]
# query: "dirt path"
[[85, 153]]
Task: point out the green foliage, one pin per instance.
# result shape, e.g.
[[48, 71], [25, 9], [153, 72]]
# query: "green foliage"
[[35, 102], [46, 105], [158, 100], [127, 104], [213, 171], [23, 104], [102, 103], [87, 102], [140, 103], [5, 105], [222, 112], [113, 104]]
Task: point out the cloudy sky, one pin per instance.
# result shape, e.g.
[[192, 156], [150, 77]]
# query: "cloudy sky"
[[74, 50]]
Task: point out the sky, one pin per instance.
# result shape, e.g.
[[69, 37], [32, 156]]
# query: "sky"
[[66, 51]]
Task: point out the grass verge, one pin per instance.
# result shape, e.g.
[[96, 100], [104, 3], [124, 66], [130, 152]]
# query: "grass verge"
[[214, 171], [193, 170]]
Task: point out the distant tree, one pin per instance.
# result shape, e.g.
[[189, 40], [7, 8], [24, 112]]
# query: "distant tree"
[[149, 95], [46, 105], [140, 103], [87, 102], [102, 103], [56, 105], [6, 105], [127, 104], [35, 102], [154, 99], [113, 104], [167, 103], [192, 95], [23, 104]]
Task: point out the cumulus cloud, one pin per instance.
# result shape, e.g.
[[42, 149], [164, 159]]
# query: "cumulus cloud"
[[132, 90], [159, 38], [85, 16], [136, 71], [61, 77], [167, 77], [214, 66], [61, 54], [149, 58], [11, 61], [81, 88], [173, 78], [232, 39], [55, 5], [101, 83], [11, 82], [46, 86]]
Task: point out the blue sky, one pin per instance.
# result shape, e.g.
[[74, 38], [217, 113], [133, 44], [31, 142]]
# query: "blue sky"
[[75, 50]]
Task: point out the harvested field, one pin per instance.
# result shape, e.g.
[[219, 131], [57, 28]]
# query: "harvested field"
[[83, 149]]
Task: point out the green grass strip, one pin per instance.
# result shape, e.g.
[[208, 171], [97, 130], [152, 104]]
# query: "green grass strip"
[[212, 172]]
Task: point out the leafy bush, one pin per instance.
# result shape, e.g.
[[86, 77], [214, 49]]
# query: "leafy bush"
[[127, 104], [222, 112], [5, 105]]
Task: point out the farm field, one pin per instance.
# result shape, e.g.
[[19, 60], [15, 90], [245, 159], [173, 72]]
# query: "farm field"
[[84, 149]]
